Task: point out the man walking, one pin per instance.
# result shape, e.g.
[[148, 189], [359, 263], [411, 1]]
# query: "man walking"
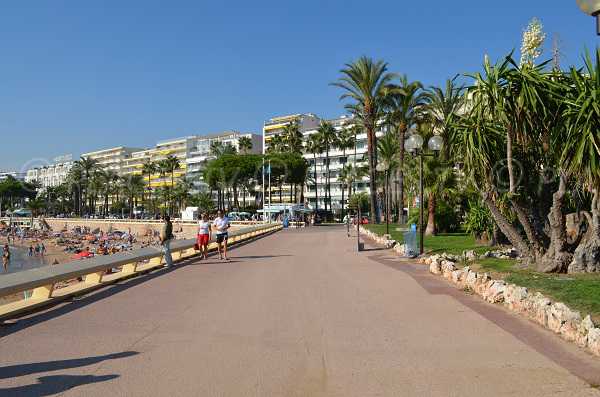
[[166, 235], [221, 224]]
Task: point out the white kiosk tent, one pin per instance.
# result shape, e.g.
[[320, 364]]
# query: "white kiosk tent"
[[291, 210]]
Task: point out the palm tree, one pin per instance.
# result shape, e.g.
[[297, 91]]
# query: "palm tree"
[[75, 180], [170, 164], [365, 83], [345, 140], [313, 145], [442, 108], [149, 168], [181, 193], [404, 103], [87, 166], [218, 149], [107, 179], [245, 144], [387, 150], [440, 183], [328, 137], [292, 138], [277, 144]]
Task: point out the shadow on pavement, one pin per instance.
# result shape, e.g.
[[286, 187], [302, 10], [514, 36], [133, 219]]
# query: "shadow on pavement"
[[374, 249], [51, 385], [13, 371], [259, 256]]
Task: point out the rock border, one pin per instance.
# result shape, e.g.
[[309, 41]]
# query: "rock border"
[[555, 316], [384, 240]]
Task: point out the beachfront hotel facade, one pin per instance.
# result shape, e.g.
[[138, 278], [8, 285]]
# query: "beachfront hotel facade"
[[308, 124], [276, 125], [201, 153], [193, 152], [112, 159], [337, 160], [51, 175], [20, 176]]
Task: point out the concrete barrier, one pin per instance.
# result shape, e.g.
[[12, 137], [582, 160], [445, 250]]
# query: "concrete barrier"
[[43, 280], [136, 226]]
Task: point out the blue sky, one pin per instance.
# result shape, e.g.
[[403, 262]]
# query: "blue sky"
[[77, 76]]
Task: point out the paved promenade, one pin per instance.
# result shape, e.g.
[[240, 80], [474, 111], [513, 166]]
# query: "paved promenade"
[[298, 313]]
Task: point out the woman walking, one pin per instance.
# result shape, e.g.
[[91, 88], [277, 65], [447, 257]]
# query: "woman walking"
[[204, 234]]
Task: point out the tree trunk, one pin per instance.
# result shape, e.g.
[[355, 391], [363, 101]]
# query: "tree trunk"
[[316, 185], [401, 177], [372, 175], [557, 258], [587, 255], [511, 233], [509, 156], [327, 186], [431, 203]]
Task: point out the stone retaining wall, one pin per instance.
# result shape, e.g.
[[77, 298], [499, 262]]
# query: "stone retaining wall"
[[555, 316]]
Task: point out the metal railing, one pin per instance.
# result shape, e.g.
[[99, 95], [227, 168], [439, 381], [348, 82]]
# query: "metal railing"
[[39, 285]]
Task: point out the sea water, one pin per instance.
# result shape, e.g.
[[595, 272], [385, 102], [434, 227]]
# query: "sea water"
[[19, 260]]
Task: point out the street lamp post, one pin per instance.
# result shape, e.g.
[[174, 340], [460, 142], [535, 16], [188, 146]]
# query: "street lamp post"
[[591, 7], [414, 145]]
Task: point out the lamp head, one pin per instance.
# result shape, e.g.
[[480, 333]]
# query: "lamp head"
[[590, 7], [435, 143], [415, 142]]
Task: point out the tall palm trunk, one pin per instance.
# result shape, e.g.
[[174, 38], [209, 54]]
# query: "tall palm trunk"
[[327, 182], [316, 185], [342, 184], [172, 187], [401, 176], [371, 145], [430, 229]]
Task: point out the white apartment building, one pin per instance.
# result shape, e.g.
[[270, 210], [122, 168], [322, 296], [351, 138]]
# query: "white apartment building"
[[201, 153], [275, 126], [337, 160], [20, 176], [112, 159], [308, 124], [50, 175]]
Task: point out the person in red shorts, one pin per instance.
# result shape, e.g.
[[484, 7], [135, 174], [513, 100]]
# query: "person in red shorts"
[[204, 234]]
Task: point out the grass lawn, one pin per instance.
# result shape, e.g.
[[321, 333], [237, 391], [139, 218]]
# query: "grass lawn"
[[580, 292], [454, 243]]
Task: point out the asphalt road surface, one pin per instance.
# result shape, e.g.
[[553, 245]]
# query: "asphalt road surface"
[[298, 313]]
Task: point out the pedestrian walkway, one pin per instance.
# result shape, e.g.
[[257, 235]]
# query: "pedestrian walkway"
[[298, 313]]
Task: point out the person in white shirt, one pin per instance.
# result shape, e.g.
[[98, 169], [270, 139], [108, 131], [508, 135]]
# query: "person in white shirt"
[[203, 234], [221, 224]]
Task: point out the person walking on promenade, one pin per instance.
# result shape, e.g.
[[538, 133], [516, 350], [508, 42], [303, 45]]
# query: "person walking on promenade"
[[221, 223], [204, 234], [166, 236], [5, 257]]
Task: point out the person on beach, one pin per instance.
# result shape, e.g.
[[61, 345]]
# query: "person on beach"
[[221, 224], [5, 257], [30, 253], [204, 234], [42, 249], [166, 236]]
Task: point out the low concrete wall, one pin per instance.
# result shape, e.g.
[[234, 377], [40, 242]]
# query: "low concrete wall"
[[89, 274], [183, 229]]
